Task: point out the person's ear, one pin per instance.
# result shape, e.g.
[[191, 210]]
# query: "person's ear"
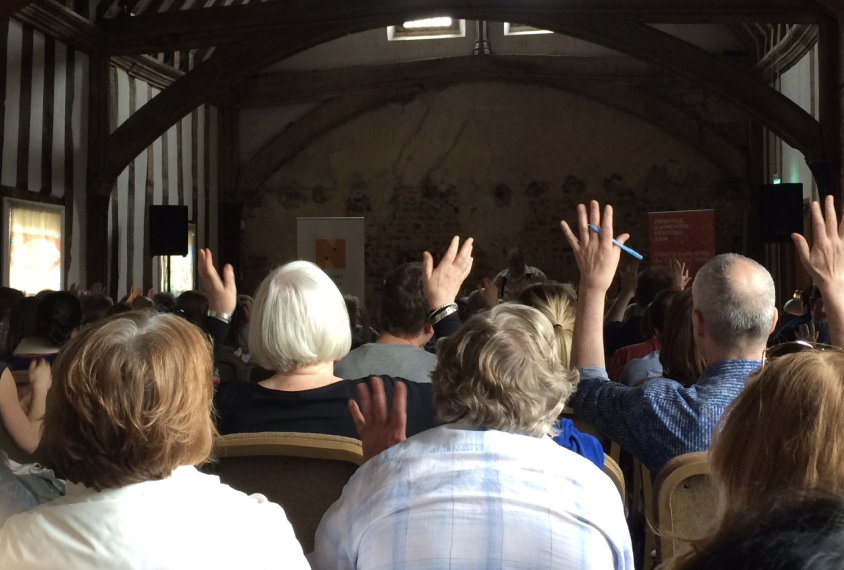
[[697, 324], [429, 329], [774, 321]]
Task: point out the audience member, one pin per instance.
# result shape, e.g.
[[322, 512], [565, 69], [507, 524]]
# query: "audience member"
[[299, 329], [361, 325], [487, 488], [8, 298], [518, 275], [780, 434], [24, 429], [165, 302], [118, 309], [799, 533], [95, 307], [734, 314], [57, 319], [641, 361], [680, 359], [194, 306], [405, 330], [238, 337], [22, 322], [557, 303], [128, 419], [624, 321]]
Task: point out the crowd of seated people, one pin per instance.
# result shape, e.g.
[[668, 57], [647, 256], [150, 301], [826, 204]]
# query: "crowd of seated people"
[[467, 454]]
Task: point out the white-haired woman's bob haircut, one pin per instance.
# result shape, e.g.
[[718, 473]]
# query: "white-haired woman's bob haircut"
[[299, 318]]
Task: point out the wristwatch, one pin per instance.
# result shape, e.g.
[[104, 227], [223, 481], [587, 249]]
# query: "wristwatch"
[[225, 317]]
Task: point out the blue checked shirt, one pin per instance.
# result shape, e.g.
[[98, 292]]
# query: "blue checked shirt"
[[464, 498], [660, 419]]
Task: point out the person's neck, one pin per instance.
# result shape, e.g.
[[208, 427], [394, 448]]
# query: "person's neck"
[[387, 338], [304, 378], [713, 354]]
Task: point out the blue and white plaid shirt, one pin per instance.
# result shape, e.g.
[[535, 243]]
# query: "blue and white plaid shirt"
[[660, 419], [458, 497]]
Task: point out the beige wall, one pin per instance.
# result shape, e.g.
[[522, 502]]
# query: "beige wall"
[[501, 163]]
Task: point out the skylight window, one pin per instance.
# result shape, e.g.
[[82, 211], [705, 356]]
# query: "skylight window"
[[513, 29], [434, 28]]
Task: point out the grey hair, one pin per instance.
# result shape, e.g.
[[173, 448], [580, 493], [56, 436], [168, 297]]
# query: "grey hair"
[[501, 371], [734, 312], [299, 318]]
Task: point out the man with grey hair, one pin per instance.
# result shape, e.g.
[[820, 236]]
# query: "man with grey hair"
[[659, 420]]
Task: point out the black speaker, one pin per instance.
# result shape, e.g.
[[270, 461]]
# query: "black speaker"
[[168, 230], [780, 212]]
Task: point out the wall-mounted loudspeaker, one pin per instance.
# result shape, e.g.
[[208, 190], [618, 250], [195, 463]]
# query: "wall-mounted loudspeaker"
[[168, 230], [780, 212]]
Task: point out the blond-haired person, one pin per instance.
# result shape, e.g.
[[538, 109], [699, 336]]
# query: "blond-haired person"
[[128, 419], [557, 301], [487, 488]]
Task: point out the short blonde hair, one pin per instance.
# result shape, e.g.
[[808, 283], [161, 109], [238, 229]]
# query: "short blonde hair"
[[299, 318], [782, 433], [130, 401], [558, 303], [501, 371]]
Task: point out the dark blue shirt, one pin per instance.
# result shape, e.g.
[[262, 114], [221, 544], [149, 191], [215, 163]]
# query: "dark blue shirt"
[[660, 419]]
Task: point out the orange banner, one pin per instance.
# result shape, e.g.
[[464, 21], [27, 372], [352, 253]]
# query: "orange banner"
[[689, 236]]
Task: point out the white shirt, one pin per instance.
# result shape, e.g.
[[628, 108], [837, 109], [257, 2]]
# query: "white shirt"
[[459, 498], [185, 522]]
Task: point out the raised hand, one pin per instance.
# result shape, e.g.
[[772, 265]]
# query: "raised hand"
[[134, 293], [442, 283], [40, 375], [488, 292], [679, 273], [629, 277], [378, 429], [807, 333], [824, 262], [97, 289], [596, 255], [221, 293]]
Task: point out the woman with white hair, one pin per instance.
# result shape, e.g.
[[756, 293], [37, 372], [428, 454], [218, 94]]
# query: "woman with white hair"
[[488, 488], [299, 328]]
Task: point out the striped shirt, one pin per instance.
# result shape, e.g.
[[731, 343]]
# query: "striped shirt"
[[458, 497], [660, 419]]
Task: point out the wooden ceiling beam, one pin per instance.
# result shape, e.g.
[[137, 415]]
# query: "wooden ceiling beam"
[[233, 63], [9, 7], [293, 87], [376, 87], [63, 24], [155, 32]]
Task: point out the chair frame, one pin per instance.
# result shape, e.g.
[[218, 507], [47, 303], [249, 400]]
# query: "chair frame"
[[289, 444], [670, 477]]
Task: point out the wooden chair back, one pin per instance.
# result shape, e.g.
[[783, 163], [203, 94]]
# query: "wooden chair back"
[[304, 473]]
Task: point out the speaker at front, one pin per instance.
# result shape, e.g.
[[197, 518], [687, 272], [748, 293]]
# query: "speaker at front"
[[168, 230], [780, 212]]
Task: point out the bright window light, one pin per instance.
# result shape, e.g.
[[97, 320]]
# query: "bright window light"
[[428, 23], [777, 180]]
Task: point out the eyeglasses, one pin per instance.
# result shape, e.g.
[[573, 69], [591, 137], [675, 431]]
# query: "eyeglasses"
[[795, 347]]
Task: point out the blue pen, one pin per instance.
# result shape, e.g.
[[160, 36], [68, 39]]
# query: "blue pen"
[[622, 246]]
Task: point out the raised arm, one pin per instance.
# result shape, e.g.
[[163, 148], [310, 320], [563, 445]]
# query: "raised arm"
[[597, 258], [25, 429], [442, 284], [824, 262]]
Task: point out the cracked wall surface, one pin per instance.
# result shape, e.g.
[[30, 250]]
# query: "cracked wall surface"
[[501, 163]]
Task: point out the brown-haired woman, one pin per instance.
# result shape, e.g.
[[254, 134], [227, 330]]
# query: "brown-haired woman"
[[128, 418], [679, 356]]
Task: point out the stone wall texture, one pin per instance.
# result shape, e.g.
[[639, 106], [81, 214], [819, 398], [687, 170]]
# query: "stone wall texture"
[[501, 163]]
